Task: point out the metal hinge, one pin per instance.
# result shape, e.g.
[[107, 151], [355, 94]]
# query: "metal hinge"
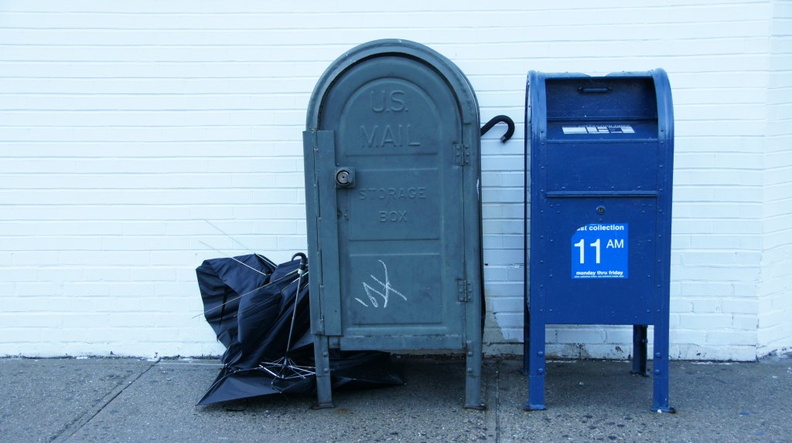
[[463, 290], [461, 154]]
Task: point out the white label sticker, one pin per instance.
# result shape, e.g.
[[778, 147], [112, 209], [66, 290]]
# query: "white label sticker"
[[598, 129], [574, 129]]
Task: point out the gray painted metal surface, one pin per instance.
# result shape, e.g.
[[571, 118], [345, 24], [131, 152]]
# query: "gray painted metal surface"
[[392, 171]]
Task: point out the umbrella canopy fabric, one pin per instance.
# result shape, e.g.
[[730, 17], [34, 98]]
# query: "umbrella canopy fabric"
[[260, 313], [353, 370], [224, 283]]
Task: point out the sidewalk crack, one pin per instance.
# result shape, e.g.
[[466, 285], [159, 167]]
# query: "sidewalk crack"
[[75, 425]]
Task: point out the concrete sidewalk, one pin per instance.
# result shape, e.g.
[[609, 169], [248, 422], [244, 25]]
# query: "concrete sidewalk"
[[80, 400]]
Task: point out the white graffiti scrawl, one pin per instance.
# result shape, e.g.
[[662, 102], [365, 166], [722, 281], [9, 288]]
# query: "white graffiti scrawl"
[[383, 289]]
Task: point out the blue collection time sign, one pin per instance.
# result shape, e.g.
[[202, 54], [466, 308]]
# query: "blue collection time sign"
[[600, 251]]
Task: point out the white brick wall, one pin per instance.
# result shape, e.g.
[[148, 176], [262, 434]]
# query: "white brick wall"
[[775, 303], [126, 126]]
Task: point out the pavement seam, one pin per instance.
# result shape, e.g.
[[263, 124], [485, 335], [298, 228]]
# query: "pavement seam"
[[71, 428]]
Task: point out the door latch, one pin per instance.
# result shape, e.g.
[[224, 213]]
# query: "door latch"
[[345, 177]]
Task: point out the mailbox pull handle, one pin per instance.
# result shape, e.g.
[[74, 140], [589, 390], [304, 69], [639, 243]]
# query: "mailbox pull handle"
[[594, 90], [498, 119]]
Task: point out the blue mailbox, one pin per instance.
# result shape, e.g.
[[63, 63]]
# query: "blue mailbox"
[[600, 178]]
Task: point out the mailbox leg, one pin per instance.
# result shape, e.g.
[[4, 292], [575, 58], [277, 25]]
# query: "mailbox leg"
[[526, 339], [324, 389], [535, 350], [473, 378], [640, 344], [473, 328], [660, 368]]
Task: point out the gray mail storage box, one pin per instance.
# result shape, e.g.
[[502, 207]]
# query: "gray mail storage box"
[[393, 212], [601, 163]]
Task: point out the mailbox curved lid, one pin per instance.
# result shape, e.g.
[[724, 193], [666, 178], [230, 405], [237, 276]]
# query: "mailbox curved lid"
[[536, 112], [456, 80]]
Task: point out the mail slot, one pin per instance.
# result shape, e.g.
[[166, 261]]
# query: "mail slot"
[[599, 156], [392, 170]]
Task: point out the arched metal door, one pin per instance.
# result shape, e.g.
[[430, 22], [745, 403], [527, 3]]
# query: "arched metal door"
[[392, 174]]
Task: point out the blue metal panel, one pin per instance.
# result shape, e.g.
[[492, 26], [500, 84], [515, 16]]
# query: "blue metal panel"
[[392, 173], [600, 175]]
